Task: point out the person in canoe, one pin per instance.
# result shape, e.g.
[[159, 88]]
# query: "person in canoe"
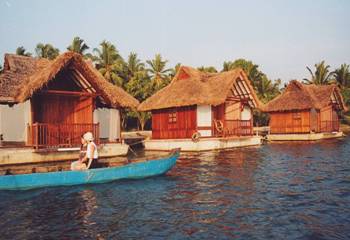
[[88, 154]]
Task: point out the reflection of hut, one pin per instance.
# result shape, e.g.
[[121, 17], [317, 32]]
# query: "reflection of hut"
[[305, 112], [49, 104], [213, 105]]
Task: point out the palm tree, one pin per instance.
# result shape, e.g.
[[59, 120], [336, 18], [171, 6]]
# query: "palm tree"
[[267, 89], [78, 45], [209, 69], [321, 76], [134, 65], [342, 76], [1, 68], [227, 66], [109, 62], [22, 51], [46, 51], [157, 71], [251, 69]]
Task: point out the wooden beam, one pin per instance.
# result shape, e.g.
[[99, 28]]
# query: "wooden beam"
[[67, 93]]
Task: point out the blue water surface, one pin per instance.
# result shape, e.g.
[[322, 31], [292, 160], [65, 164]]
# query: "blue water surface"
[[275, 191]]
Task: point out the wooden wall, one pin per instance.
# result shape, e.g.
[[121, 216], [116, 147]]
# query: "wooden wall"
[[184, 126], [232, 110], [290, 122], [62, 109]]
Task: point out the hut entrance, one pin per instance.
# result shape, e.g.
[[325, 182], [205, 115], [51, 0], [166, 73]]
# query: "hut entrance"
[[62, 111], [59, 119]]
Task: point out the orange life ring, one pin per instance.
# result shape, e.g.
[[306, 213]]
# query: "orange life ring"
[[219, 126], [196, 136]]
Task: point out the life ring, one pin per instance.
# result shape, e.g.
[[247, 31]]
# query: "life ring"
[[219, 126], [196, 136]]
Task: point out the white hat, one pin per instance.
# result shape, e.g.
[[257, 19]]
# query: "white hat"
[[88, 137]]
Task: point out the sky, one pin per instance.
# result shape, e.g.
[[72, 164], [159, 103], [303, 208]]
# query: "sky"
[[282, 37]]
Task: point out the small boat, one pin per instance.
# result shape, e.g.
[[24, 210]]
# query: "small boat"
[[135, 170]]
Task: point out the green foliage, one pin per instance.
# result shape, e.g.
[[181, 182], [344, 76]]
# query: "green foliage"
[[46, 51], [342, 76], [260, 118], [78, 45], [109, 63], [158, 71], [346, 95], [321, 76], [209, 69], [1, 69], [22, 51]]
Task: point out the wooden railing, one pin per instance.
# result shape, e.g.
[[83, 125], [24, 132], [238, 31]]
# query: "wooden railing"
[[235, 128], [47, 135], [329, 126]]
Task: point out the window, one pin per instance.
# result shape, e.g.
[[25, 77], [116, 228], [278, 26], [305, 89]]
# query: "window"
[[172, 117], [296, 115]]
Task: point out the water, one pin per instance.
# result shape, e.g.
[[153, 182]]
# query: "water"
[[276, 191]]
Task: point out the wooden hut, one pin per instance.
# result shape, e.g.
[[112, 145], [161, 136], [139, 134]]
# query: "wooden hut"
[[206, 105], [304, 109], [49, 104]]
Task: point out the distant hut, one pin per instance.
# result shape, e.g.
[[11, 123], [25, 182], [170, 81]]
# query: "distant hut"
[[51, 103], [206, 105], [304, 109]]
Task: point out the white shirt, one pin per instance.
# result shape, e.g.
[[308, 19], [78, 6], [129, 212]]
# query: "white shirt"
[[88, 151]]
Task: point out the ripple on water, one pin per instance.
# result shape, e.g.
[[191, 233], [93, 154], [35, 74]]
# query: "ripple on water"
[[276, 191]]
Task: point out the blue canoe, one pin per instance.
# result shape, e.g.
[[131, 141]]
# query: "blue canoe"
[[136, 170]]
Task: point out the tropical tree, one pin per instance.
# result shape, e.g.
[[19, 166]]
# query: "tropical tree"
[[209, 69], [227, 66], [138, 85], [321, 76], [22, 51], [78, 45], [134, 65], [342, 76], [1, 69], [174, 70], [46, 51], [158, 71], [251, 69], [109, 62], [268, 89]]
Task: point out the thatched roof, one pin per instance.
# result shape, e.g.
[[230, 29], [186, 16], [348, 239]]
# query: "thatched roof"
[[23, 76], [193, 87], [298, 96]]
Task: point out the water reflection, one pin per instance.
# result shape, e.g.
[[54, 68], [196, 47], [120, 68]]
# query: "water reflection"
[[276, 191]]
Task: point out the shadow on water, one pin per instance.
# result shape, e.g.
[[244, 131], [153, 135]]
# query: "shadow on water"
[[276, 191]]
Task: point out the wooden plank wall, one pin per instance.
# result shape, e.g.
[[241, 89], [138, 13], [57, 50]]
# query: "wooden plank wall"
[[326, 114], [184, 127], [232, 110], [62, 109], [290, 122]]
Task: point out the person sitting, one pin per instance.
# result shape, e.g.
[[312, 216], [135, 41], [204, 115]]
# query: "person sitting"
[[91, 156], [89, 159], [79, 165]]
